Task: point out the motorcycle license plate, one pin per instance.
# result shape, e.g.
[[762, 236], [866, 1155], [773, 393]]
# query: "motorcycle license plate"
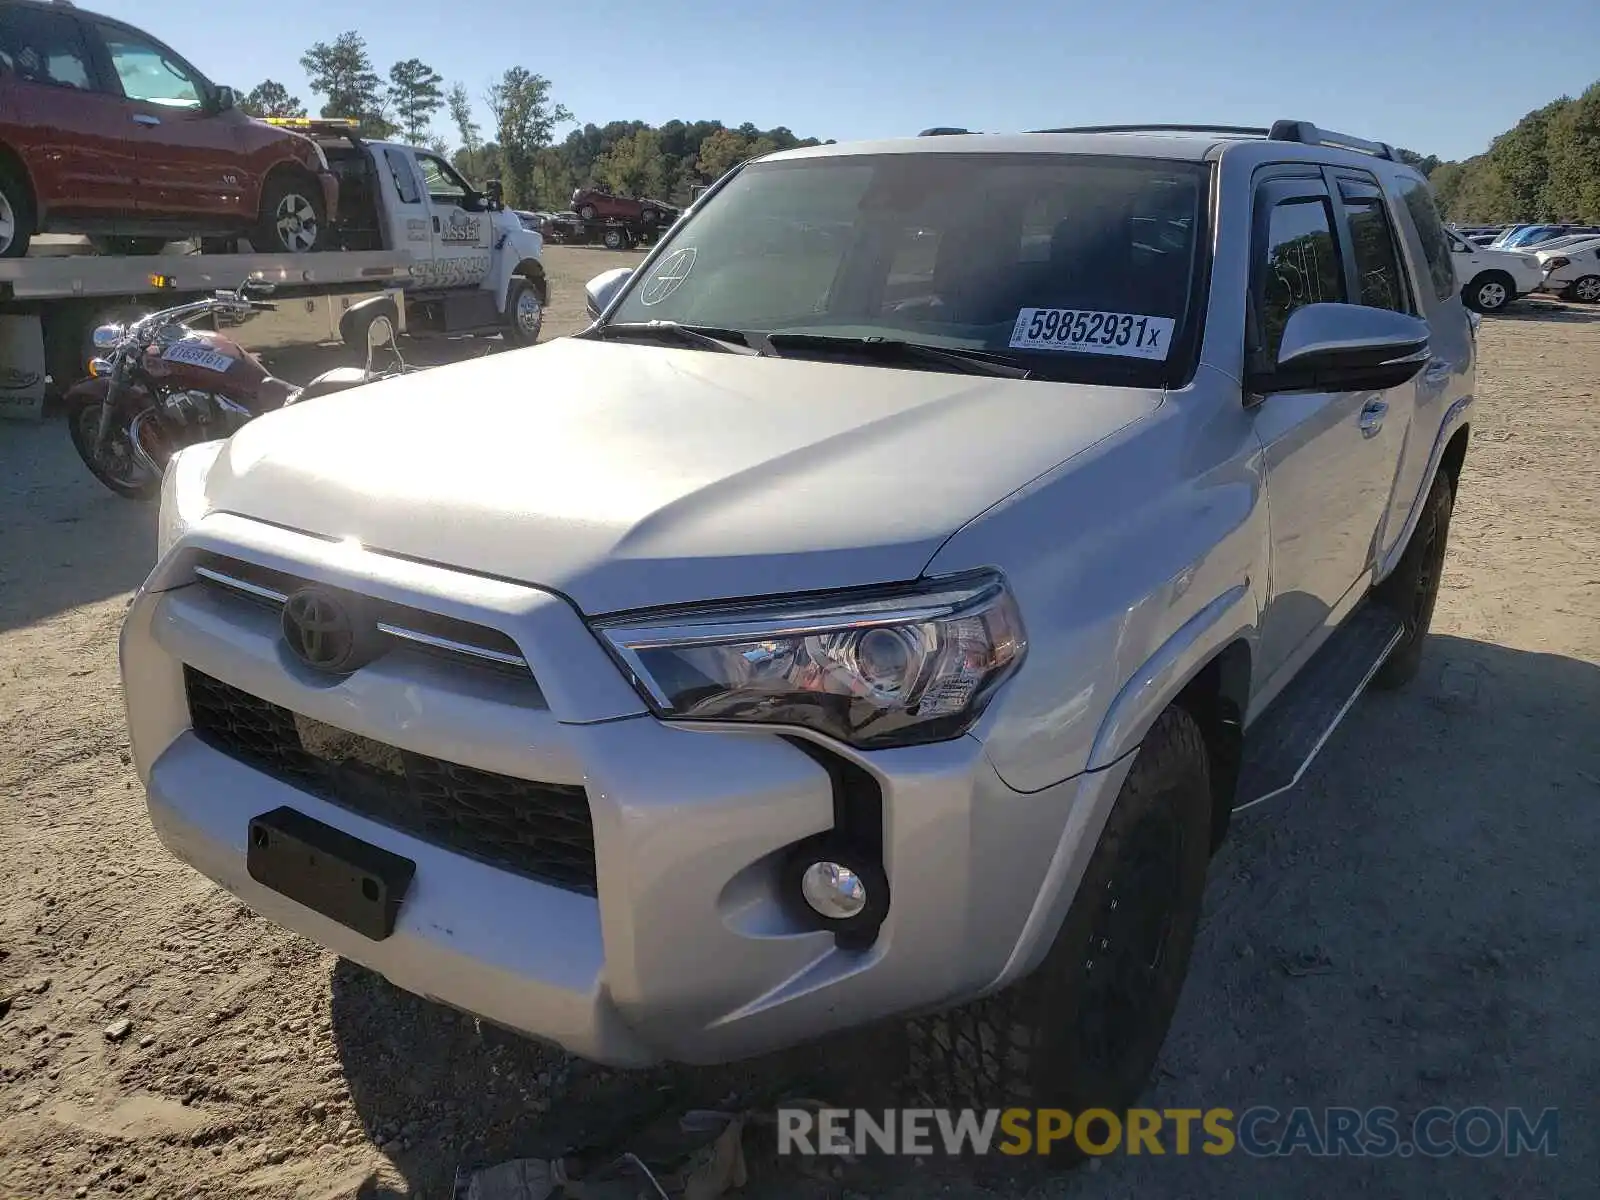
[[197, 356]]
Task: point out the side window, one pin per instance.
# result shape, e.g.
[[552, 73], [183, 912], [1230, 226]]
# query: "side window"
[[1430, 231], [43, 47], [443, 184], [1301, 267], [1378, 270], [148, 74], [405, 179]]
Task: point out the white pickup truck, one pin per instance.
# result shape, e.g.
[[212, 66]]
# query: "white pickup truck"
[[413, 239]]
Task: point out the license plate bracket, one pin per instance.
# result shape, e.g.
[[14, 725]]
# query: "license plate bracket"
[[355, 883]]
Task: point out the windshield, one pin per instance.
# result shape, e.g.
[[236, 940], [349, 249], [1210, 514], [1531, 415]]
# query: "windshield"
[[1073, 266]]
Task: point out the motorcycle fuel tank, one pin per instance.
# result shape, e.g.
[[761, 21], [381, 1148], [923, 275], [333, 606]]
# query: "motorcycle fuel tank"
[[207, 362]]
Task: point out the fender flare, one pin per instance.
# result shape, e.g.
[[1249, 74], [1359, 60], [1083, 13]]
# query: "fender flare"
[[532, 269], [1227, 618]]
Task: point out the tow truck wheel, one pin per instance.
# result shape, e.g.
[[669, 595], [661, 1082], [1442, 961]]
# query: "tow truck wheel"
[[524, 314], [293, 218], [16, 214], [615, 239]]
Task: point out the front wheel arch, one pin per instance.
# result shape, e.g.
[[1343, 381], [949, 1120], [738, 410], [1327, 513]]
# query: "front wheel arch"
[[532, 270]]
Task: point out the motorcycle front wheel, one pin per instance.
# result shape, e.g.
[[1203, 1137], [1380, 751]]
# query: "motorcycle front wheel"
[[116, 465]]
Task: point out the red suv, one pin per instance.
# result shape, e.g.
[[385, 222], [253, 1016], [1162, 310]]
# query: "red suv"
[[592, 204], [105, 131]]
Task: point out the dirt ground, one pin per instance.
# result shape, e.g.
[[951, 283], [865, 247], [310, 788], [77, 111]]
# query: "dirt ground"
[[1412, 926]]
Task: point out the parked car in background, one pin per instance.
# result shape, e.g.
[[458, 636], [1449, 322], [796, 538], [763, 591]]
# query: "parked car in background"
[[593, 204], [1525, 237], [1573, 271], [106, 131], [1491, 278]]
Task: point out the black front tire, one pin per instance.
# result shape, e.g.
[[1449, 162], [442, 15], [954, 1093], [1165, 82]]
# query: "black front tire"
[[16, 214], [1490, 292], [123, 476], [524, 313], [293, 218], [615, 239], [1412, 589], [1085, 1029], [587, 212]]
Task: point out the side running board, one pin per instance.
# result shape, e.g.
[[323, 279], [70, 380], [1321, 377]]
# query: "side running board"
[[1282, 742]]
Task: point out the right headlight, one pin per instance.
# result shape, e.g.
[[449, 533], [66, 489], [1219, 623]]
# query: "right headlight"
[[183, 493], [882, 669]]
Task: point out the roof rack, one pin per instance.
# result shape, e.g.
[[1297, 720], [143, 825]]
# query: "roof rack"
[[1302, 132], [1307, 134], [1250, 130]]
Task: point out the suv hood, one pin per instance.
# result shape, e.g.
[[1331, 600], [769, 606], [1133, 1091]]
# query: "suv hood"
[[627, 476]]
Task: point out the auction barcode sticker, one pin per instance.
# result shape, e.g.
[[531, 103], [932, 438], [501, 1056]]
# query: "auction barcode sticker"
[[198, 356], [1129, 335]]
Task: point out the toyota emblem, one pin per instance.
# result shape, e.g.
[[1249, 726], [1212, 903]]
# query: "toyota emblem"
[[327, 633]]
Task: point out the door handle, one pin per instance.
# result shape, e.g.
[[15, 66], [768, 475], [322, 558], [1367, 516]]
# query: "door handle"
[[1372, 414], [436, 224], [146, 119]]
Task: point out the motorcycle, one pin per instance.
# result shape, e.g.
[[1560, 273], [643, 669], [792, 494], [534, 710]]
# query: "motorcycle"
[[161, 385]]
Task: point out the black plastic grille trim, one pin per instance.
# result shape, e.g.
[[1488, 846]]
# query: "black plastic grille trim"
[[541, 831]]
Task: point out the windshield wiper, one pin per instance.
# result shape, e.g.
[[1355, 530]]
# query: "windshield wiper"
[[701, 337], [969, 362]]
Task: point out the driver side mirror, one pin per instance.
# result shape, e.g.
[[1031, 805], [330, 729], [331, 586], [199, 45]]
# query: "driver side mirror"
[[600, 291], [1345, 348], [226, 98], [495, 193]]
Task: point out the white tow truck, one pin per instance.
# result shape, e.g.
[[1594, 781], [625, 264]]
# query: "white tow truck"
[[413, 240]]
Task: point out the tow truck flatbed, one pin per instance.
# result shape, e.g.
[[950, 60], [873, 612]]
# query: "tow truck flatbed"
[[59, 277]]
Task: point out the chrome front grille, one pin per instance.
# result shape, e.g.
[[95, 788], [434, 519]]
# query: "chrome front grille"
[[413, 627]]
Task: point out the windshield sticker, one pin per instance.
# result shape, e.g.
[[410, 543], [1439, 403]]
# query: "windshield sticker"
[[1128, 335], [668, 276]]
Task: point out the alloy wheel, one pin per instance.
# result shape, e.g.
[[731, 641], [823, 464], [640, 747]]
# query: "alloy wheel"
[[8, 223], [1588, 289], [297, 223], [1492, 296], [529, 315]]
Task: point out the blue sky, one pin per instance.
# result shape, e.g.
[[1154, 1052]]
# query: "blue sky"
[[1440, 77]]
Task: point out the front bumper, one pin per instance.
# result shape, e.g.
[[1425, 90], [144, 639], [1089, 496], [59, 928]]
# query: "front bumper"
[[688, 951]]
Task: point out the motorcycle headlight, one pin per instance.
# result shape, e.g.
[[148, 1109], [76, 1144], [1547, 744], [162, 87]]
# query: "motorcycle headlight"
[[183, 493], [107, 336], [881, 669]]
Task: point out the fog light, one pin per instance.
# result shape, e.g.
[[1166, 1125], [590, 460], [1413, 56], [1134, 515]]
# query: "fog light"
[[833, 891], [837, 885]]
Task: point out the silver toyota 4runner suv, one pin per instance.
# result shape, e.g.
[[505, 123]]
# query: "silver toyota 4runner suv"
[[876, 612]]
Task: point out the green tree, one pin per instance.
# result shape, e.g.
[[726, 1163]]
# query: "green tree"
[[720, 152], [269, 98], [343, 73], [634, 166], [460, 105], [525, 120], [415, 94], [1572, 154]]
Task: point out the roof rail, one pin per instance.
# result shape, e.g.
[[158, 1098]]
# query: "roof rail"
[[1307, 134], [941, 131], [1250, 130]]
